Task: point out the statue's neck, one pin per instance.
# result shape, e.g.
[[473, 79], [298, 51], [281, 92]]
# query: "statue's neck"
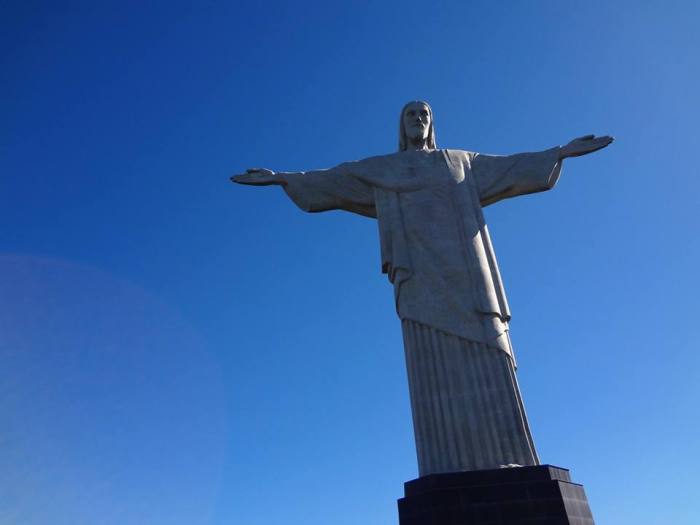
[[417, 144]]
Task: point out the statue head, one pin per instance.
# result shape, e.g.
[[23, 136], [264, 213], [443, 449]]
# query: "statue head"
[[416, 124]]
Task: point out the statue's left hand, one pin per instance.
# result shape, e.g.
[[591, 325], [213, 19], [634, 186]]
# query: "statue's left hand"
[[584, 145], [259, 177]]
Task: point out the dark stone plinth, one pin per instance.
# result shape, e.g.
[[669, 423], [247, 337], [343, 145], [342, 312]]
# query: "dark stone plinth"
[[539, 495]]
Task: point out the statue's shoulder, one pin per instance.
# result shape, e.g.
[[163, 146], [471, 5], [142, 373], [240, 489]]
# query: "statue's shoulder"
[[403, 157], [460, 155], [379, 159], [462, 152]]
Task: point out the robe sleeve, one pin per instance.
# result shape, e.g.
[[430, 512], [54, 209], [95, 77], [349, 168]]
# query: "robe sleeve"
[[512, 175], [339, 188]]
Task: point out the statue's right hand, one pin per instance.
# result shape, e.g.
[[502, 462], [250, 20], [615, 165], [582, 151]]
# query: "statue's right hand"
[[259, 177]]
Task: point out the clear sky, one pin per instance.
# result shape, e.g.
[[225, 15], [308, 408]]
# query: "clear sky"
[[175, 349]]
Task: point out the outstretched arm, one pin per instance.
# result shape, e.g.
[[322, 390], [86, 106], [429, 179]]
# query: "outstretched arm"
[[502, 177], [338, 188]]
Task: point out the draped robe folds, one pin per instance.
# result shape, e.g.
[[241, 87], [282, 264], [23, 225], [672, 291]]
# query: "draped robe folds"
[[437, 253]]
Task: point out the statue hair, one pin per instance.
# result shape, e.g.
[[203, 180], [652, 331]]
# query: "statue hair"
[[402, 130]]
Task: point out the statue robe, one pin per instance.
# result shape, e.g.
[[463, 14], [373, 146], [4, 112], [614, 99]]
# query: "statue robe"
[[436, 251]]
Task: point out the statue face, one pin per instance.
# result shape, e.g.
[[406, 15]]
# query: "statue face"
[[416, 121]]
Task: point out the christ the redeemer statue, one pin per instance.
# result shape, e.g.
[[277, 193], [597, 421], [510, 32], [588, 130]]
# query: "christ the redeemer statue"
[[435, 247]]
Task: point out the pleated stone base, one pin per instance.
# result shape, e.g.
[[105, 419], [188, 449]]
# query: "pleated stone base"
[[467, 410], [535, 495]]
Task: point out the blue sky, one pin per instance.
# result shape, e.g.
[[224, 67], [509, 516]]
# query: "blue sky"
[[178, 350]]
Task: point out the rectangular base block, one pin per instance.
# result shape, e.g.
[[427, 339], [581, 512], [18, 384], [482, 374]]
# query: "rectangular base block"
[[537, 495]]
